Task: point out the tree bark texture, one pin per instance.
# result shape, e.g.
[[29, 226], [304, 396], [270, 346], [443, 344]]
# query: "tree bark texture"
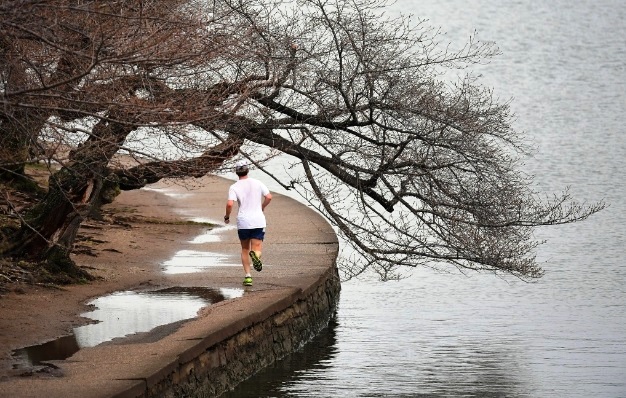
[[50, 228]]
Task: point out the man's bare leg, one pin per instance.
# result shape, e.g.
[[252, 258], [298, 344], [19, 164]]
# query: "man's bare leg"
[[245, 257], [256, 246]]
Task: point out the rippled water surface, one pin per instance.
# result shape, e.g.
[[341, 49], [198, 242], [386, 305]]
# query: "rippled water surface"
[[433, 334]]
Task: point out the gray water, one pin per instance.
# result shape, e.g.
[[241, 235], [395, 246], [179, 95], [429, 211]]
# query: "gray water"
[[434, 334]]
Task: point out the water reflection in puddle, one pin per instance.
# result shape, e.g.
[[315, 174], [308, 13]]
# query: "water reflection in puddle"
[[213, 235], [125, 313], [190, 261]]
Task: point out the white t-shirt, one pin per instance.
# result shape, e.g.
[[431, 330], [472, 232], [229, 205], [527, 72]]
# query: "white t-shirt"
[[249, 194]]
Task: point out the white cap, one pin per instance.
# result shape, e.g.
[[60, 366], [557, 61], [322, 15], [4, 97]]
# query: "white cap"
[[241, 165]]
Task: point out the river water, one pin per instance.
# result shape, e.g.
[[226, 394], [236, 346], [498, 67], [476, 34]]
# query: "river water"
[[436, 334]]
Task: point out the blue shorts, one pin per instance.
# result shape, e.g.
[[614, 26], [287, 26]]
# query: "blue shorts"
[[254, 233]]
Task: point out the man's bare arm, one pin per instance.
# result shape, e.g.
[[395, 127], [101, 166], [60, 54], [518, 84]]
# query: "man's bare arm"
[[266, 201], [229, 209]]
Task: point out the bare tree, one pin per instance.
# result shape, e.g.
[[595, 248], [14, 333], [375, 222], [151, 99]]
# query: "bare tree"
[[412, 167], [83, 76]]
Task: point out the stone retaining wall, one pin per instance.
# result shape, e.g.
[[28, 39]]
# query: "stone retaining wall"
[[235, 358]]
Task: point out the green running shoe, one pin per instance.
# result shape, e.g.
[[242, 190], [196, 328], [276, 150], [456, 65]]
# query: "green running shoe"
[[256, 261], [247, 281]]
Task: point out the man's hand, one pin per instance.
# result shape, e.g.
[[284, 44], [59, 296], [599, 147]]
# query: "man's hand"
[[228, 211]]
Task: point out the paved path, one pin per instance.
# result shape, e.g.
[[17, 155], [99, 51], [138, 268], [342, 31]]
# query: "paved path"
[[300, 247]]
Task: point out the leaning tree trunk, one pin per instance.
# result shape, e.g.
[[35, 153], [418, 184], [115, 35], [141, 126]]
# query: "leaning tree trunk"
[[50, 228]]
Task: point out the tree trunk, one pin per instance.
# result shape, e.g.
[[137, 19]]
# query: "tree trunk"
[[50, 227]]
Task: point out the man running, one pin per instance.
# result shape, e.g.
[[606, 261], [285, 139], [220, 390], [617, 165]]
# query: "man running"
[[252, 197]]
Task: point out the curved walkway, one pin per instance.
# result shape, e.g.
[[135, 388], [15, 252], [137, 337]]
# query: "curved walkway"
[[299, 258]]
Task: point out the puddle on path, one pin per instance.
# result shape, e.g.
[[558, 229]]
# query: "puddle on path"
[[191, 261], [125, 313], [213, 235]]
